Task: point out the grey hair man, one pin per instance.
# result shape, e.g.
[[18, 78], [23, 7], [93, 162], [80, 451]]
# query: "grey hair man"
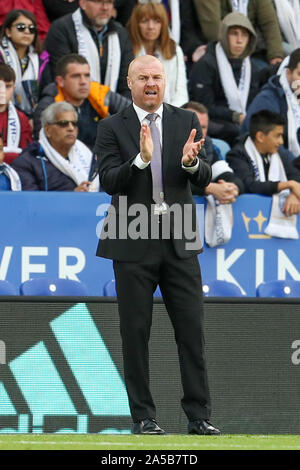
[[58, 161], [92, 32]]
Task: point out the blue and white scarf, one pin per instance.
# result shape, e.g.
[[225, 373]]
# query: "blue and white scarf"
[[288, 13], [12, 175], [88, 49], [22, 99], [218, 217], [279, 225], [78, 164], [237, 96], [293, 115], [13, 131], [241, 6]]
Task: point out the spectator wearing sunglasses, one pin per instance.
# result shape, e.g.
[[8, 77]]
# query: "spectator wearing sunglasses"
[[19, 48], [14, 124], [34, 6], [58, 161]]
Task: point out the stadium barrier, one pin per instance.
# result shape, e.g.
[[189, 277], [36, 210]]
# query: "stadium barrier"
[[61, 366], [56, 235]]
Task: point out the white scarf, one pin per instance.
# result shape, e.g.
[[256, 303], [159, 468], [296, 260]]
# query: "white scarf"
[[237, 96], [218, 217], [241, 6], [175, 16], [288, 13], [293, 114], [13, 176], [13, 131], [88, 49], [279, 225], [77, 167], [11, 58]]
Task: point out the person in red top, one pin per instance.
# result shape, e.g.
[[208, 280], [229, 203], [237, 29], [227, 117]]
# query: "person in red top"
[[35, 7], [14, 124]]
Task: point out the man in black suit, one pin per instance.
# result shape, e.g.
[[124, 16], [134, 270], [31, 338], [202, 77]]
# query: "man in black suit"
[[129, 151]]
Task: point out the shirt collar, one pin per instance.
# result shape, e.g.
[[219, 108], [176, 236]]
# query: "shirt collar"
[[141, 113]]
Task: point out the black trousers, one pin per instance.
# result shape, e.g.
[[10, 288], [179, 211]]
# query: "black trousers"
[[181, 286]]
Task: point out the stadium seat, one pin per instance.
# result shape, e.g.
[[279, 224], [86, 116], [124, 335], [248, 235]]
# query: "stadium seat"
[[287, 288], [109, 289], [7, 288], [157, 292], [217, 288], [64, 287], [223, 146]]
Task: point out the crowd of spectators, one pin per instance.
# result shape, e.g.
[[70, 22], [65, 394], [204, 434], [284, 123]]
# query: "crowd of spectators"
[[235, 63]]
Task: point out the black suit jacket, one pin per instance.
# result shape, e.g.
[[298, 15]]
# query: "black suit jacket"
[[117, 145]]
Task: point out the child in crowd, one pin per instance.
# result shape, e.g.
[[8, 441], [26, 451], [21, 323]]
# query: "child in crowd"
[[9, 178], [14, 124]]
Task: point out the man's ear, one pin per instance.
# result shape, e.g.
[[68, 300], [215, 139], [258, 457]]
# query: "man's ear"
[[288, 74], [59, 81], [259, 137], [129, 84], [46, 130]]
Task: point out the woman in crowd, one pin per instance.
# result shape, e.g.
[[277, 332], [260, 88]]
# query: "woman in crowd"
[[19, 48], [35, 6], [149, 32]]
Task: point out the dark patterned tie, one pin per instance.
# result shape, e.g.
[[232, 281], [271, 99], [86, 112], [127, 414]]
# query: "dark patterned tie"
[[156, 164]]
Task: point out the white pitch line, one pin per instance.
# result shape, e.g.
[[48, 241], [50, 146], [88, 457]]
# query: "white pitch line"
[[101, 443], [111, 444]]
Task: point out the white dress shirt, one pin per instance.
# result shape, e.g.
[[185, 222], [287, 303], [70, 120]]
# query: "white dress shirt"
[[141, 114]]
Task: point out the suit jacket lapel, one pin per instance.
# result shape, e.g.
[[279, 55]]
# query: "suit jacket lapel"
[[132, 125]]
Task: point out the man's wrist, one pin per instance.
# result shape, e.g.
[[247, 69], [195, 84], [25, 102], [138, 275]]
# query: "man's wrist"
[[139, 162], [143, 158], [193, 163]]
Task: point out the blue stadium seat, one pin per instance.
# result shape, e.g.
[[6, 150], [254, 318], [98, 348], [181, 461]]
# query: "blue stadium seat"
[[7, 288], [217, 288], [287, 288], [157, 292], [223, 146], [44, 286], [109, 289]]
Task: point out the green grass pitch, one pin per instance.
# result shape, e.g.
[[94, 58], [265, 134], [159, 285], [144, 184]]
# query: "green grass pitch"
[[132, 442]]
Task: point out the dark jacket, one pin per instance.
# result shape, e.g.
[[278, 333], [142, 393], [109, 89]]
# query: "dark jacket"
[[212, 156], [124, 9], [190, 31], [241, 164], [271, 97], [57, 8], [117, 144], [61, 40], [205, 84], [37, 173]]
